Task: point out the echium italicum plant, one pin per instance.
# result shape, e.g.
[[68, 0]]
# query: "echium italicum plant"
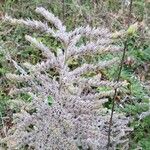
[[66, 111]]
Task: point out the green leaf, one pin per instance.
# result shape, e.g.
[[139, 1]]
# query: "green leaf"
[[50, 100]]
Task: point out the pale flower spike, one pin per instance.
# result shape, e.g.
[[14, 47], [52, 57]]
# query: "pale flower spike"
[[66, 111]]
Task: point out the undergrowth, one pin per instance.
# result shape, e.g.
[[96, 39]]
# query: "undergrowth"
[[136, 68]]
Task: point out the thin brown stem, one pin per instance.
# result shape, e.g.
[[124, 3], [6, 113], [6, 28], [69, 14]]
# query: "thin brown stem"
[[118, 78]]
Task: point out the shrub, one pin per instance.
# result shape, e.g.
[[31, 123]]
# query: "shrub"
[[66, 110]]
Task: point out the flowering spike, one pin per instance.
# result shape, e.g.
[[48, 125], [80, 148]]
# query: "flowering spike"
[[66, 111]]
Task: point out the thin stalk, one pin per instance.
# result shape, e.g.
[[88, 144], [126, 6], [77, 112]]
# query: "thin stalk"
[[118, 78], [63, 9]]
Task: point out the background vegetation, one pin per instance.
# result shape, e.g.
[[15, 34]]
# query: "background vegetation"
[[109, 13]]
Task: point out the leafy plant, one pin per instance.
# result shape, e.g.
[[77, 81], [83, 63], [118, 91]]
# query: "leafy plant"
[[66, 110]]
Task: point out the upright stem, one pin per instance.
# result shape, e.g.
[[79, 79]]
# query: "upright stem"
[[118, 78], [63, 9]]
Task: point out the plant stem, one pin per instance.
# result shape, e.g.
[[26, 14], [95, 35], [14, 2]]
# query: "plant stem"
[[118, 78]]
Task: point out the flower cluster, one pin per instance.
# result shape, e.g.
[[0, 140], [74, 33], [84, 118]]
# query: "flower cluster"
[[66, 111]]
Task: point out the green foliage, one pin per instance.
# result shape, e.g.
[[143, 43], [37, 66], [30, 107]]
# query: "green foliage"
[[138, 50], [3, 102], [139, 6], [113, 5], [141, 134], [103, 89], [25, 97], [50, 100]]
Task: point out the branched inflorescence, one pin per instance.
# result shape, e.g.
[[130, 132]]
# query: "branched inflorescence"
[[66, 111]]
